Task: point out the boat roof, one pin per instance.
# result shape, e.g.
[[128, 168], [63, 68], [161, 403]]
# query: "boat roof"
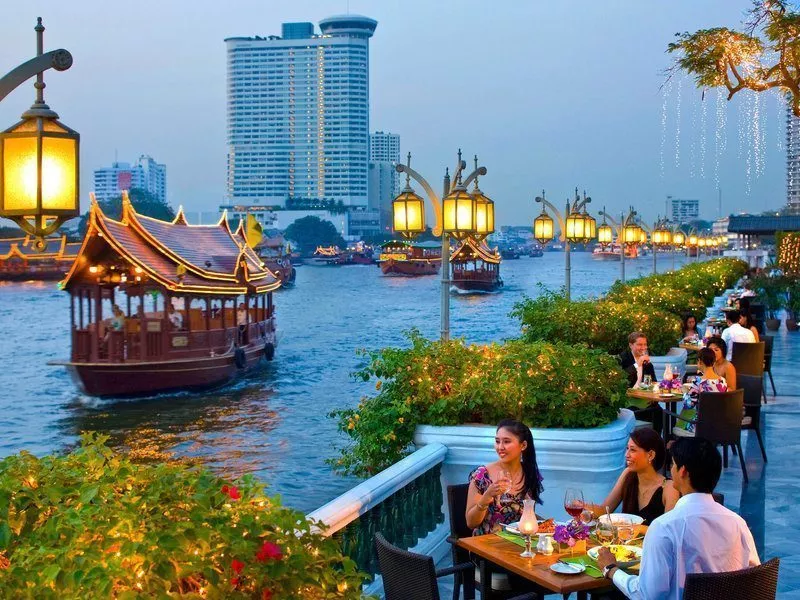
[[428, 244], [57, 248], [200, 259], [469, 249]]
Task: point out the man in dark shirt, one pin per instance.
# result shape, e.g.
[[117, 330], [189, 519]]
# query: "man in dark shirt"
[[635, 361]]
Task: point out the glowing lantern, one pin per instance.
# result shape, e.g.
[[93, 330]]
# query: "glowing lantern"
[[589, 226], [630, 233], [678, 238], [459, 213], [605, 235], [575, 228], [484, 214], [409, 213], [543, 228], [661, 236], [692, 241]]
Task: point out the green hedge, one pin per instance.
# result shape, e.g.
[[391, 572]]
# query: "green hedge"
[[450, 383], [91, 524]]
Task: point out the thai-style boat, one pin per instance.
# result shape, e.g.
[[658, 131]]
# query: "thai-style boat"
[[20, 261], [611, 252], [277, 257], [330, 255], [536, 251], [475, 267], [360, 254], [510, 253], [158, 306], [400, 258]]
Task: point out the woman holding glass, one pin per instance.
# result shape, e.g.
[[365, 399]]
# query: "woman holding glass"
[[722, 366], [641, 489], [497, 490]]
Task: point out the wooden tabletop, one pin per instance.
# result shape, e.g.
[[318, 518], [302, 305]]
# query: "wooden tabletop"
[[537, 569], [653, 396], [691, 347]]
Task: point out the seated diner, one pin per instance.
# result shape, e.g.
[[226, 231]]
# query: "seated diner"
[[722, 366], [707, 381], [689, 329], [746, 320], [641, 488], [734, 332]]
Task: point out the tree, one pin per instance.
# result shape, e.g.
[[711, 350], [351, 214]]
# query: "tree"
[[766, 55], [143, 202], [309, 232]]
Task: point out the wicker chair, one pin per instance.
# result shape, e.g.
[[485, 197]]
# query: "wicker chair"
[[719, 420], [409, 575], [748, 358], [768, 344], [753, 389], [755, 583]]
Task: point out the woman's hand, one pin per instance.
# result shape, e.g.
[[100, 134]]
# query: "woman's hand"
[[494, 490]]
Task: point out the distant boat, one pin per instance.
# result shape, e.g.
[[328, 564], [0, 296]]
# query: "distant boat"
[[277, 256], [509, 253], [536, 251], [611, 252], [20, 261], [475, 267], [400, 258], [328, 255]]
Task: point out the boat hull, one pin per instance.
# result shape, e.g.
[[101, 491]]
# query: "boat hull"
[[410, 268], [478, 285], [132, 379]]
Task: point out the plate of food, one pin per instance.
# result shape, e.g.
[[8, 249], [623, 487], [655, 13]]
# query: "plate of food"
[[622, 554], [545, 526], [618, 517]]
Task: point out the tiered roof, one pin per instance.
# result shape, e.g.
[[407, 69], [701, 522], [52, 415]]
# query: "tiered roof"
[[58, 249], [203, 259], [472, 250]]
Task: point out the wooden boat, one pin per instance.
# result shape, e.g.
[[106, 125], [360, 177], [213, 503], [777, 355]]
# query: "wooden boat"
[[510, 253], [173, 290], [475, 267], [360, 254], [401, 258], [277, 257], [611, 252], [20, 261], [328, 255]]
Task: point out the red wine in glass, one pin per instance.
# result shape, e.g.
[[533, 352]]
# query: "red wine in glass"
[[573, 503]]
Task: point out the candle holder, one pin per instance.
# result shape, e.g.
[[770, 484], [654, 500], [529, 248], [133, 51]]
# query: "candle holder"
[[528, 553], [528, 525]]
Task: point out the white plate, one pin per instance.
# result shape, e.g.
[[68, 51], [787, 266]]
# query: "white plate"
[[593, 552], [514, 527], [635, 519], [571, 569]]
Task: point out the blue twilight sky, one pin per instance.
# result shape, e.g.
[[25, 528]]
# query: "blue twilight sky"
[[551, 95]]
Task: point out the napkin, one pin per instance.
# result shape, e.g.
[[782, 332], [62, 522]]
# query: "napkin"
[[511, 537]]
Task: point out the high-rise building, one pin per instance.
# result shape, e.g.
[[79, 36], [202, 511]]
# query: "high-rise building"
[[792, 160], [145, 174], [384, 147], [384, 180], [298, 114], [684, 211]]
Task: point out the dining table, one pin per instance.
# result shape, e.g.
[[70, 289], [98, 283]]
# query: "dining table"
[[492, 549], [668, 422]]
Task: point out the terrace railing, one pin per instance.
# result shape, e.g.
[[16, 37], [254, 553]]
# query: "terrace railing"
[[403, 502]]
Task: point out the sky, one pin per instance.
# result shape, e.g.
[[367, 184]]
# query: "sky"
[[550, 95]]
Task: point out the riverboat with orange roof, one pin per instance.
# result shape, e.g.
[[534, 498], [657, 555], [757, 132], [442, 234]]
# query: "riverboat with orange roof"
[[21, 261], [476, 267]]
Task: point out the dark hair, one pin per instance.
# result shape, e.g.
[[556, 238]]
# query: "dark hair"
[[530, 470], [748, 319], [744, 305], [733, 315], [719, 343], [685, 321], [647, 439], [707, 356], [702, 461], [635, 336]]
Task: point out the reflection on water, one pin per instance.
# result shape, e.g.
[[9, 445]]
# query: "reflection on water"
[[274, 422]]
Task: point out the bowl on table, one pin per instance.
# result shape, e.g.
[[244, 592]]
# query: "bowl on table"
[[617, 518]]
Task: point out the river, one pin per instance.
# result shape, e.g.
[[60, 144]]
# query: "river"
[[274, 423]]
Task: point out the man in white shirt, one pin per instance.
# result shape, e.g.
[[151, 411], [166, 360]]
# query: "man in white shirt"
[[735, 332], [697, 536]]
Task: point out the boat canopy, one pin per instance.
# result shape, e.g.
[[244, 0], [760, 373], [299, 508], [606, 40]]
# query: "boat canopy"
[[57, 248], [470, 250]]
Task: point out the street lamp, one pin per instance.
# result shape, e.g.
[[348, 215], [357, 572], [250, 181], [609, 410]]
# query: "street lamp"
[[661, 237], [605, 233], [678, 240], [628, 234], [578, 227], [484, 211], [39, 175], [692, 241], [456, 215]]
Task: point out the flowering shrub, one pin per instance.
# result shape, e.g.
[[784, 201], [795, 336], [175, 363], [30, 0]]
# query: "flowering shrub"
[[450, 383], [91, 524]]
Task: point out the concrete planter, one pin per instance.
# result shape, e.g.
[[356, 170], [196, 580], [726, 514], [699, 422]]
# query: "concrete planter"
[[675, 357], [588, 459]]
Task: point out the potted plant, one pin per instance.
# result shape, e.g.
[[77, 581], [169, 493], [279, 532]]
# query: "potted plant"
[[793, 305], [771, 290]]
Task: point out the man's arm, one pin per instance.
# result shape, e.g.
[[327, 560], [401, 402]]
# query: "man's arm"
[[656, 571]]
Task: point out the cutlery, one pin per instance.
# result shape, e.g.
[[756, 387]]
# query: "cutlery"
[[570, 565]]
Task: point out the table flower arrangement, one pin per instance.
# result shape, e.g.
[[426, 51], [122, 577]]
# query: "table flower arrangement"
[[571, 533], [670, 385]]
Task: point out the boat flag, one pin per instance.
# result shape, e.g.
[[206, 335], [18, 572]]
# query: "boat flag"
[[254, 231]]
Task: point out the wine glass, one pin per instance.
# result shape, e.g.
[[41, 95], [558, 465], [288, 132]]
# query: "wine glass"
[[506, 482], [573, 503], [604, 531], [625, 531]]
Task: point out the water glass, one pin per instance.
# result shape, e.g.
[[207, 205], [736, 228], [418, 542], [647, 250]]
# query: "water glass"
[[647, 380], [625, 531], [604, 531]]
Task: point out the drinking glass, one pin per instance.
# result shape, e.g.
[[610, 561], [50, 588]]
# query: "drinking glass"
[[506, 482], [647, 380], [573, 503], [625, 531], [604, 531]]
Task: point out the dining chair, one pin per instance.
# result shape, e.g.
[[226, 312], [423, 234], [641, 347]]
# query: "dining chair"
[[753, 389], [748, 358], [409, 575], [754, 583], [719, 420], [769, 342]]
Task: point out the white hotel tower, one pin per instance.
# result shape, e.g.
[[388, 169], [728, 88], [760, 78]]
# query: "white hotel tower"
[[298, 114]]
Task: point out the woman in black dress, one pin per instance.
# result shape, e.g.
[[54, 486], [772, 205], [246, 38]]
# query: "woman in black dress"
[[641, 489]]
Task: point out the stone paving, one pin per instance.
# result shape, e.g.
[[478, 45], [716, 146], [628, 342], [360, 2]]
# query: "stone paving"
[[770, 502]]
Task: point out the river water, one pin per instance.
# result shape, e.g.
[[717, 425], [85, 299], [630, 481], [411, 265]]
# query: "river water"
[[274, 423]]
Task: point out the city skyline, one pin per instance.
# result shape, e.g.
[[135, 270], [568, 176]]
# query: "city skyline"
[[545, 95]]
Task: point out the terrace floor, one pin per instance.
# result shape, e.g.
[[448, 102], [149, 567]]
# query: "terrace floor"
[[770, 502]]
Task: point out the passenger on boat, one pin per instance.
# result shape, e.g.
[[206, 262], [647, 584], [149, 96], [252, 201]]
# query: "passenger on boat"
[[496, 490], [175, 317], [241, 321], [641, 489]]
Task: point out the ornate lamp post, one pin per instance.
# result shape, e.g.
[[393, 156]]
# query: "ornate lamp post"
[[678, 239], [578, 227], [692, 241], [460, 214], [39, 185], [628, 234], [661, 237]]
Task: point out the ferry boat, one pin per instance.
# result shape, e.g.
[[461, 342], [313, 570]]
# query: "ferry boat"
[[360, 254], [277, 257], [400, 258], [328, 255], [475, 267], [157, 306], [20, 261], [611, 252]]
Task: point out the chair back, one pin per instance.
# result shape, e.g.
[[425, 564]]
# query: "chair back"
[[753, 388], [757, 310], [755, 583], [405, 574], [769, 341], [761, 326], [718, 498], [748, 358], [719, 416], [457, 507]]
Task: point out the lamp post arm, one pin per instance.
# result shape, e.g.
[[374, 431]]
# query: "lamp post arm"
[[479, 171], [60, 60], [432, 196], [612, 220], [562, 227]]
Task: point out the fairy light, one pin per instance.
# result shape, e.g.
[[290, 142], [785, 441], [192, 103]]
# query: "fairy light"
[[720, 135], [678, 126], [703, 127], [665, 92]]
